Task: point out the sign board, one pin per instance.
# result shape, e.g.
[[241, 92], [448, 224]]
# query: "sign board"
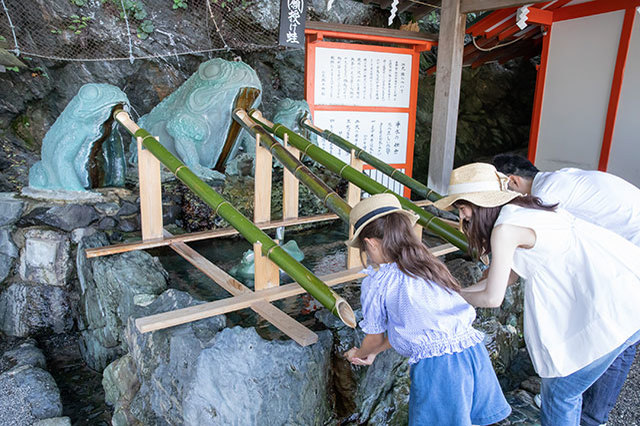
[[367, 94], [293, 15]]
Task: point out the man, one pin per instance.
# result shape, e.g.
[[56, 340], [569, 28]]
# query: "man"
[[605, 200]]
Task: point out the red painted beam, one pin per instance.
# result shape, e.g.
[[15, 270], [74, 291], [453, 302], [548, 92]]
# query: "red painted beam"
[[537, 100], [593, 8], [616, 87]]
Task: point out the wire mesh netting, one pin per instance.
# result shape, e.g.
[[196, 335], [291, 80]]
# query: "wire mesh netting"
[[135, 29]]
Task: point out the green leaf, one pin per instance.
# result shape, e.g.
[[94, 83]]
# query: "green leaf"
[[78, 32], [72, 27], [74, 17], [14, 69]]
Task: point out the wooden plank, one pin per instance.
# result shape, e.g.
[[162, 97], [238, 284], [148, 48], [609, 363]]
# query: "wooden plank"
[[283, 322], [198, 236], [246, 300], [290, 186], [262, 181], [206, 310], [446, 96], [469, 6], [150, 194], [315, 26]]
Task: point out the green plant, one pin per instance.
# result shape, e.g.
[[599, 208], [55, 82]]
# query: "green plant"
[[145, 28], [2, 38], [179, 4], [78, 3], [14, 69]]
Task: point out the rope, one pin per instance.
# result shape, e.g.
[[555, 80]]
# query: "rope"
[[164, 55], [216, 25], [13, 31], [482, 49], [126, 21]]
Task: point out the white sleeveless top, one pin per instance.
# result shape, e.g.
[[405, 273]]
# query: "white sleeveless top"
[[582, 289]]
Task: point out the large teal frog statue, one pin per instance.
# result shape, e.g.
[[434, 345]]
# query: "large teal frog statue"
[[193, 122], [83, 149]]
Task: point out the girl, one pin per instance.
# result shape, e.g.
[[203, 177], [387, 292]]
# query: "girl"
[[582, 283], [412, 303]]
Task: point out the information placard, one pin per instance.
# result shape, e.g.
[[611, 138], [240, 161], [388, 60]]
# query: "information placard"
[[362, 78], [383, 134]]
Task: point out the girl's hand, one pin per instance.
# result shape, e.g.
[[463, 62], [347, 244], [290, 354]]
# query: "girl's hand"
[[350, 355]]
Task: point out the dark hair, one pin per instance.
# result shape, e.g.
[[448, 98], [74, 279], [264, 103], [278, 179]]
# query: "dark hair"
[[478, 229], [401, 245], [511, 164]]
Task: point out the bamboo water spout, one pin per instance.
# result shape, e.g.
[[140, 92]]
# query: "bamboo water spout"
[[312, 284], [428, 220], [420, 189], [330, 198]]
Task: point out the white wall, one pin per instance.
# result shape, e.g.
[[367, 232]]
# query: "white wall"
[[624, 160], [581, 62]]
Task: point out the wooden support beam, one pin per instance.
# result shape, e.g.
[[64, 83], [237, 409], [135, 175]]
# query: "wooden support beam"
[[283, 322], [422, 11], [262, 181], [469, 6], [266, 274], [199, 236], [246, 300], [150, 194], [354, 194], [447, 96], [290, 186]]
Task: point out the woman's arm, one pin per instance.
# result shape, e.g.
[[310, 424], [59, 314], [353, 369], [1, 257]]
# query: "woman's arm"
[[505, 239], [372, 345]]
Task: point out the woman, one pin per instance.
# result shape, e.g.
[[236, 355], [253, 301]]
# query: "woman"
[[582, 283]]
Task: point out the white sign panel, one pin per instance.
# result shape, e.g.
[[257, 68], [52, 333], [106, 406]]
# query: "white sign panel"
[[381, 134], [362, 78]]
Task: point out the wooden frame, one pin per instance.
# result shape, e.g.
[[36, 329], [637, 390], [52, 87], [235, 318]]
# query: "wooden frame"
[[267, 285]]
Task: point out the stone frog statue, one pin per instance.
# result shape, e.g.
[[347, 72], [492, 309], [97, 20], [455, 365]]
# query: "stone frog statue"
[[289, 112], [82, 149], [193, 122]]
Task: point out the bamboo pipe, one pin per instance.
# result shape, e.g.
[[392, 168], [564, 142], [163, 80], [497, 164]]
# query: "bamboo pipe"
[[312, 284], [420, 189], [363, 181], [330, 198]]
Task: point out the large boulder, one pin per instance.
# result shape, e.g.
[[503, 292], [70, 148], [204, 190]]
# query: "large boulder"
[[45, 257], [28, 393], [111, 287]]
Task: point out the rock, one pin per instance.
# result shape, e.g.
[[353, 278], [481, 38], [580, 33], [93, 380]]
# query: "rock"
[[466, 272], [66, 217], [10, 209], [79, 233], [164, 363], [279, 381], [27, 392], [54, 421], [45, 257], [532, 384], [27, 309], [502, 342], [8, 253], [110, 286], [120, 382]]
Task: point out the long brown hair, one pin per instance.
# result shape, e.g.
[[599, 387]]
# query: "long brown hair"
[[483, 219], [401, 245]]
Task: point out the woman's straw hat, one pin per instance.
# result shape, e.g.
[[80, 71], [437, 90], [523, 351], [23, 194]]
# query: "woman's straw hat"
[[478, 183], [372, 208]]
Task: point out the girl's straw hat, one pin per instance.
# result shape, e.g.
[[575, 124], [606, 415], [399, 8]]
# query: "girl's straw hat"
[[372, 208], [478, 183]]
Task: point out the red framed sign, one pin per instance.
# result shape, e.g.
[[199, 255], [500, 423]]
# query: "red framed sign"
[[366, 92]]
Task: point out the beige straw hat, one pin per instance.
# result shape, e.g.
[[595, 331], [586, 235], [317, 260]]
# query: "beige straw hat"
[[370, 209], [478, 183]]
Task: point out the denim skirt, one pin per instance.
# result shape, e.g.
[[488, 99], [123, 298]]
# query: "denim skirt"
[[456, 389]]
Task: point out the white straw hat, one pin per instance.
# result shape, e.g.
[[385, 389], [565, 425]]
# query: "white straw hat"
[[372, 208], [478, 183]]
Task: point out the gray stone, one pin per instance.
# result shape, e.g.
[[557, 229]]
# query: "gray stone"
[[28, 394], [279, 381], [164, 364], [107, 209], [502, 342], [27, 309], [54, 421], [7, 246], [70, 216], [10, 208], [79, 233], [127, 209], [24, 354], [106, 223], [119, 381], [45, 257], [110, 287]]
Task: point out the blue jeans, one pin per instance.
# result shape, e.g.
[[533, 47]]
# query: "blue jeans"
[[601, 397], [562, 396]]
